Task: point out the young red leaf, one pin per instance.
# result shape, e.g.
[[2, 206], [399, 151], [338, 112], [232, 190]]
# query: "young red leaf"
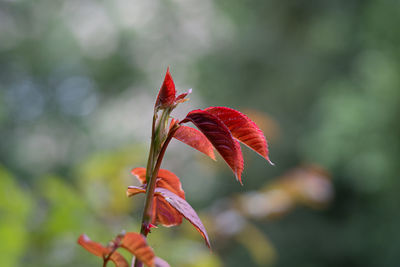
[[170, 181], [195, 139], [186, 210], [134, 190], [221, 138], [119, 260], [136, 244], [165, 179], [164, 214], [102, 252], [166, 95], [181, 98], [243, 129], [173, 185], [93, 247], [140, 174]]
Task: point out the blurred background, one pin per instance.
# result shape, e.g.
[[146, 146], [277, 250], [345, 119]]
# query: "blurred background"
[[78, 80]]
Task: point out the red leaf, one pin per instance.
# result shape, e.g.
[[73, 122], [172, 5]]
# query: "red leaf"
[[221, 138], [165, 179], [166, 95], [164, 213], [181, 98], [195, 139], [140, 174], [102, 252], [136, 244], [134, 190], [186, 210], [170, 181], [119, 260], [93, 247], [242, 128]]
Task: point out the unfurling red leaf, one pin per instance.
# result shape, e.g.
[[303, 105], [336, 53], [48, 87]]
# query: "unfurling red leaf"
[[221, 138], [243, 129], [133, 190], [185, 209], [195, 139], [166, 95], [181, 98], [164, 213], [136, 244], [93, 247], [102, 252], [165, 179]]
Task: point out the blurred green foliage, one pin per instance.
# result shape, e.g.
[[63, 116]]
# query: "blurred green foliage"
[[78, 81], [14, 218]]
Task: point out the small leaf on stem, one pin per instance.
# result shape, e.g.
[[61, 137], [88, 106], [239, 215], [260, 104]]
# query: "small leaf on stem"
[[93, 247], [101, 251], [185, 209], [164, 213], [165, 179], [134, 190], [181, 98], [136, 244], [119, 260]]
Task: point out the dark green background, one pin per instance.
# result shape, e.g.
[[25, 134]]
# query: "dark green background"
[[78, 81]]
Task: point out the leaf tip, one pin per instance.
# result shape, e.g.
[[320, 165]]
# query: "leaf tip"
[[212, 156], [83, 238], [239, 179], [269, 160]]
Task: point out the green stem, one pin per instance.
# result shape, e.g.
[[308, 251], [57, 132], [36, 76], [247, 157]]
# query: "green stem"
[[151, 172], [147, 213]]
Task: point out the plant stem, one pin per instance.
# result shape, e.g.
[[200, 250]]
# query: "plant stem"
[[151, 153], [151, 173], [147, 213]]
